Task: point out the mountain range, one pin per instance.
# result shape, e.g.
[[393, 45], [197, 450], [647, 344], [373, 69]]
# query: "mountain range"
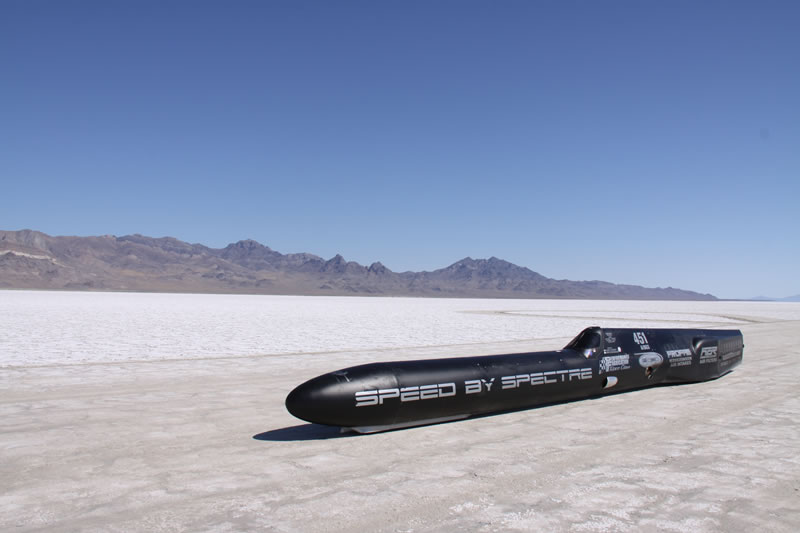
[[795, 298], [34, 260]]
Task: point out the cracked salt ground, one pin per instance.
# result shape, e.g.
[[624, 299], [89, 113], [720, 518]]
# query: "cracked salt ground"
[[177, 440], [55, 328]]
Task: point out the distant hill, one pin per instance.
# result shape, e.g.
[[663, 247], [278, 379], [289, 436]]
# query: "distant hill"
[[33, 260], [795, 298]]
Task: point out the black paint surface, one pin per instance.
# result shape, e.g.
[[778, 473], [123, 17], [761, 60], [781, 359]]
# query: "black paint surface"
[[443, 388]]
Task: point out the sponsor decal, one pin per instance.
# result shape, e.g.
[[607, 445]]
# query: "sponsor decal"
[[610, 338], [546, 378], [405, 394], [614, 363], [641, 339], [472, 386], [708, 355], [729, 358], [649, 359], [612, 350], [681, 357], [731, 355]]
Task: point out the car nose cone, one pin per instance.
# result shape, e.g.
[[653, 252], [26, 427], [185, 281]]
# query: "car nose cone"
[[331, 398], [307, 400]]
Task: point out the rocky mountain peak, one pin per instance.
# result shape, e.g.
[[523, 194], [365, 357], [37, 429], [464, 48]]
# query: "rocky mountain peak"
[[248, 245], [378, 269], [26, 237]]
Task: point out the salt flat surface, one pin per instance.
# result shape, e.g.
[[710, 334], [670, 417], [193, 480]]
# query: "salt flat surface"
[[179, 424], [55, 328]]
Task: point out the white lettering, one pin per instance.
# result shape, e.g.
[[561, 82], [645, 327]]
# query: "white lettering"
[[443, 393], [472, 386], [544, 378], [409, 394], [708, 351], [367, 397], [384, 394], [426, 392]]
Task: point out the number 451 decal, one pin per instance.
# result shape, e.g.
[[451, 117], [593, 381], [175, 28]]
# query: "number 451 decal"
[[639, 338]]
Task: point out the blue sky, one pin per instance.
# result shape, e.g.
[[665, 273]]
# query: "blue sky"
[[654, 143]]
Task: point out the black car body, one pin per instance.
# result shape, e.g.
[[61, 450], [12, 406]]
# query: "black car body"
[[391, 395]]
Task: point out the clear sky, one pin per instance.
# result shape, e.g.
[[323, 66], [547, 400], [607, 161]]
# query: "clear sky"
[[654, 143]]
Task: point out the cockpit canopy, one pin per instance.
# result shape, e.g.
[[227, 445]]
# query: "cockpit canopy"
[[587, 342]]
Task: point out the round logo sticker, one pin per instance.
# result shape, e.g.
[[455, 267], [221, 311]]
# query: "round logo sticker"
[[650, 359]]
